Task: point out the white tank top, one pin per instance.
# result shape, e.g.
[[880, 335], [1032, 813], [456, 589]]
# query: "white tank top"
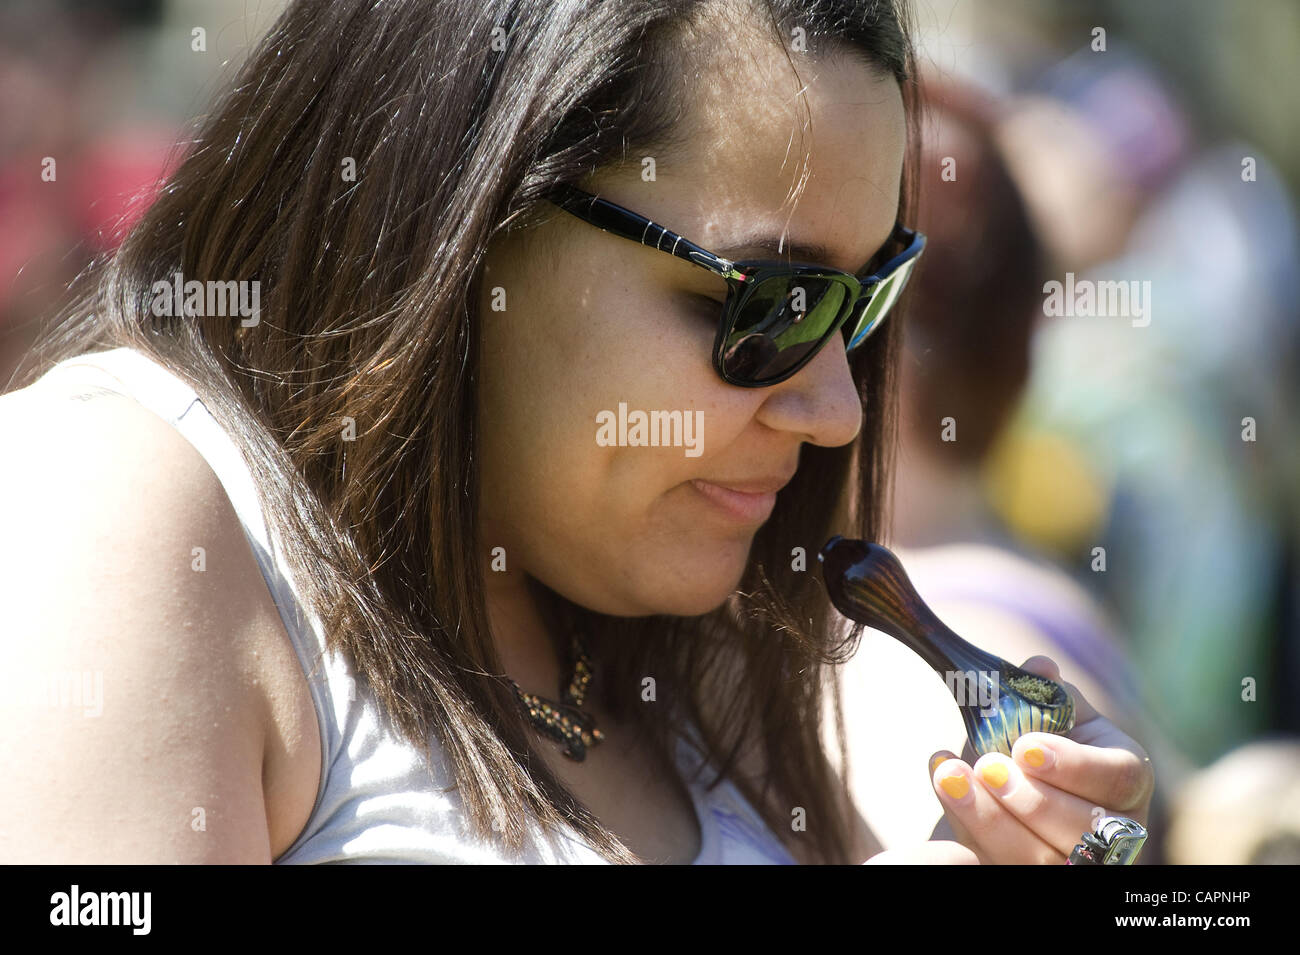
[[377, 801]]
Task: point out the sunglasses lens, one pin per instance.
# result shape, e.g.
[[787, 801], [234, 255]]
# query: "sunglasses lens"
[[877, 306], [783, 321]]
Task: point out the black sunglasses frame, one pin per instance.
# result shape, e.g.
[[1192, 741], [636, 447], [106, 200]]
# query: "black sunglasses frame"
[[745, 276]]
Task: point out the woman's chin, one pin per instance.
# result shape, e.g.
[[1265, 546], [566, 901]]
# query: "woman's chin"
[[695, 606], [697, 594]]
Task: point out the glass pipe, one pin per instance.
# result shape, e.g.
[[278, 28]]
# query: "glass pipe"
[[999, 702]]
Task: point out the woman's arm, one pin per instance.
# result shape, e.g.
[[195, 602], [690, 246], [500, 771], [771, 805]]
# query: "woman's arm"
[[154, 751]]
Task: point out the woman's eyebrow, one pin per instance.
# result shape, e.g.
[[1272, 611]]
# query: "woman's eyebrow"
[[807, 251], [795, 251]]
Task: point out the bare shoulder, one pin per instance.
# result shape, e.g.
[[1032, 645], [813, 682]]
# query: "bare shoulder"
[[155, 679]]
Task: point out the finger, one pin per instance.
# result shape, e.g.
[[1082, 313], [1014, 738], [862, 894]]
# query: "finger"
[[1115, 778], [995, 835], [953, 825], [1058, 818], [949, 826], [1128, 781], [939, 757]]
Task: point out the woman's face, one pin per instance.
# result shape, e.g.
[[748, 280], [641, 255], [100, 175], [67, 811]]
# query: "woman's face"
[[592, 320]]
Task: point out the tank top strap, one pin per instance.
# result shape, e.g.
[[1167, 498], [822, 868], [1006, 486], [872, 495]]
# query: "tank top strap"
[[130, 373]]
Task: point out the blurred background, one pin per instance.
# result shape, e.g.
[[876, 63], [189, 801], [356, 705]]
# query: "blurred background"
[[1121, 492]]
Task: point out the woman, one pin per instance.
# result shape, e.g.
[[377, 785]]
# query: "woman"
[[413, 433]]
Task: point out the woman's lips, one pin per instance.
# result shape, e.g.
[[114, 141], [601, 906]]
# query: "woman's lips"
[[740, 505]]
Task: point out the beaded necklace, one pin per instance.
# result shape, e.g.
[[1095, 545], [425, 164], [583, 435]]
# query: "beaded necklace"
[[564, 721]]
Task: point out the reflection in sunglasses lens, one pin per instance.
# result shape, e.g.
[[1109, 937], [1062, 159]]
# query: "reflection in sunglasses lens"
[[783, 320]]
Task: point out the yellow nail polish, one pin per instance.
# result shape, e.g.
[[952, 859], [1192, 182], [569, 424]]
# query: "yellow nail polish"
[[934, 763], [995, 774], [955, 786], [1035, 756]]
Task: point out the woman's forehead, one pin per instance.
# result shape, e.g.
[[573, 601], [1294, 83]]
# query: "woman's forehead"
[[835, 130]]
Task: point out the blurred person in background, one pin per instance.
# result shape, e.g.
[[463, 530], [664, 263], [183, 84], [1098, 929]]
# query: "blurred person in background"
[[976, 302], [1156, 142], [93, 96], [1250, 800], [1181, 427], [73, 173]]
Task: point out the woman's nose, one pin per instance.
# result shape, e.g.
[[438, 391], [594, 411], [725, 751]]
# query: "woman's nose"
[[820, 401]]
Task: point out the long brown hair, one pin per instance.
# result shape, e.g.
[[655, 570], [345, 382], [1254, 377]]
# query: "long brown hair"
[[368, 313]]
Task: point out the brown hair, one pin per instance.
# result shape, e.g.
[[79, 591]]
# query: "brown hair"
[[368, 312]]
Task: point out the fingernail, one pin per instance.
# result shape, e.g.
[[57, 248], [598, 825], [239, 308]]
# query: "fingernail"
[[936, 760], [1038, 757], [956, 786], [995, 773]]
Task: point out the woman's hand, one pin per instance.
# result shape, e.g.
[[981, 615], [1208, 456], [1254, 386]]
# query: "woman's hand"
[[1034, 807]]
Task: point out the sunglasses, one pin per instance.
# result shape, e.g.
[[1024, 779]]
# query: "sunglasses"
[[777, 315]]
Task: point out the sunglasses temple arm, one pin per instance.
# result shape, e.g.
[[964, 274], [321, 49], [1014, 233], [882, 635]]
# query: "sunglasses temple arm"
[[629, 225]]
